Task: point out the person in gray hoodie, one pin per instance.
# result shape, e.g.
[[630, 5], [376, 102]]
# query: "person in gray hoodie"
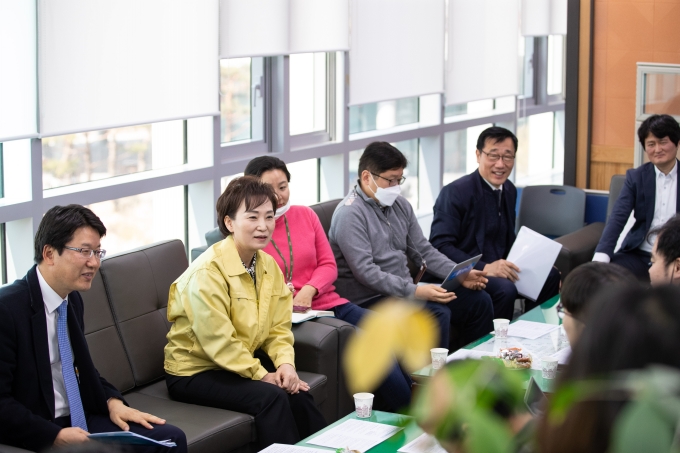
[[373, 234]]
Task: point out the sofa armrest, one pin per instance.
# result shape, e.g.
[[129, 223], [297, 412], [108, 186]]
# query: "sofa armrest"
[[578, 247], [316, 351], [9, 449]]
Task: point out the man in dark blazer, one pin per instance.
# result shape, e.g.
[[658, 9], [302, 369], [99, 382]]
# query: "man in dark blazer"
[[651, 190], [476, 215], [50, 392]]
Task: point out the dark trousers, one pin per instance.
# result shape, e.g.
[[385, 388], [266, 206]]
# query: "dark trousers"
[[103, 424], [394, 393], [279, 417], [636, 261], [503, 293]]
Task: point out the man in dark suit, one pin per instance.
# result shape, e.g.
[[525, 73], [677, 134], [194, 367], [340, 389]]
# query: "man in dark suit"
[[476, 215], [50, 392], [650, 190]]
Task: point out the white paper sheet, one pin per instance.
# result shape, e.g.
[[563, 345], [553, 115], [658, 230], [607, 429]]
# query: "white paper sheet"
[[563, 355], [529, 329], [355, 435], [463, 354], [423, 444], [535, 255], [282, 448]]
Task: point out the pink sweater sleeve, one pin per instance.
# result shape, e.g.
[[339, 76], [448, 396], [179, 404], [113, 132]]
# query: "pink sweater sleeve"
[[326, 271]]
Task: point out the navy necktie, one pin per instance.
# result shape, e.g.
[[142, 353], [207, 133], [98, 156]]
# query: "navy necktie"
[[70, 381]]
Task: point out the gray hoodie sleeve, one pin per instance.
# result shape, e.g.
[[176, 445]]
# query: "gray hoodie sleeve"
[[353, 239]]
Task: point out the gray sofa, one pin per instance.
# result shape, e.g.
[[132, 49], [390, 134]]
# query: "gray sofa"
[[126, 326]]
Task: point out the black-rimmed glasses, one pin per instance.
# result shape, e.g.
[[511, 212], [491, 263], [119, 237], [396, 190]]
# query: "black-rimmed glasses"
[[494, 157], [88, 253], [391, 182]]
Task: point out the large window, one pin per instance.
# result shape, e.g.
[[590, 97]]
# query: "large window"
[[304, 182], [308, 98], [540, 154], [556, 56], [484, 107], [242, 99], [90, 156], [459, 152], [383, 115]]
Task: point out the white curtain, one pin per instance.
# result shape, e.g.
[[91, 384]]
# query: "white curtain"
[[544, 17], [18, 84], [483, 38], [397, 49], [107, 64]]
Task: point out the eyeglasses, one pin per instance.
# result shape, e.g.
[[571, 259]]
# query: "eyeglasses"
[[561, 312], [494, 157], [88, 253], [392, 182]]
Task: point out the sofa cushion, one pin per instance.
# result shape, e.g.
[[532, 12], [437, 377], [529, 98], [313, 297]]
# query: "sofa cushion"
[[103, 339], [207, 429], [137, 283]]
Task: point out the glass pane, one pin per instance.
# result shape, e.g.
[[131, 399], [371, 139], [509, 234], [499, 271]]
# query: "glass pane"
[[2, 175], [354, 157], [535, 162], [90, 156], [383, 115], [304, 182], [307, 93], [459, 152], [409, 189], [235, 82], [662, 94], [526, 67], [490, 106], [3, 256], [224, 182], [555, 64], [158, 216]]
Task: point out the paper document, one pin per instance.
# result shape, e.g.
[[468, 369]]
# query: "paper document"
[[282, 448], [311, 314], [463, 354], [563, 355], [529, 329], [423, 444], [535, 255], [129, 438], [355, 435]]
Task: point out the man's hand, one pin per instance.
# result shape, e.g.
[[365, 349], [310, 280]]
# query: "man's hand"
[[68, 436], [287, 379], [502, 269], [303, 298], [476, 280], [120, 414], [434, 293]]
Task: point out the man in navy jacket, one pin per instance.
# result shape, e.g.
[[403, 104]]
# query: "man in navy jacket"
[[50, 392], [651, 191], [476, 215]]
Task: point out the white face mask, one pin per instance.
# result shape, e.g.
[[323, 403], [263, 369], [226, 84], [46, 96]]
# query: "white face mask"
[[282, 210], [386, 197]]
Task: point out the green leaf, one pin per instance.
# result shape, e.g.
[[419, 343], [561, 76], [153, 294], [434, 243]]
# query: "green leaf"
[[641, 427], [488, 433]]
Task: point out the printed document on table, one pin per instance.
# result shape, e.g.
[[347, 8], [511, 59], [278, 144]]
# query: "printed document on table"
[[530, 329], [355, 435], [422, 444], [282, 448], [535, 255], [463, 354]]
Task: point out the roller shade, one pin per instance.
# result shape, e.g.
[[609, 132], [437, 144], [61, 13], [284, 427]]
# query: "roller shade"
[[544, 17], [18, 82], [106, 64], [396, 49], [258, 28], [483, 38]]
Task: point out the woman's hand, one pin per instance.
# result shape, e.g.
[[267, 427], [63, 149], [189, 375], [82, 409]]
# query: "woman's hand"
[[304, 297], [270, 378], [287, 379]]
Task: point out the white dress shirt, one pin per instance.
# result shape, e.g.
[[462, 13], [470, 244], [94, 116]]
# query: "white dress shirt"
[[52, 301], [665, 200]]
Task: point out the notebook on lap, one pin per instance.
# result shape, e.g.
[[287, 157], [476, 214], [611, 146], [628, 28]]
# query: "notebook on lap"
[[459, 273]]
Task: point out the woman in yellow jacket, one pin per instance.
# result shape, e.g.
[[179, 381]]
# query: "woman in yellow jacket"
[[230, 302]]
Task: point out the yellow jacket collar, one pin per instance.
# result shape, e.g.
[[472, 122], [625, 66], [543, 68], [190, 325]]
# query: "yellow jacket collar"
[[231, 259]]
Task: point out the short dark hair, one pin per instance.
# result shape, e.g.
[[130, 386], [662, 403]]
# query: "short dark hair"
[[263, 164], [661, 126], [59, 224], [584, 282], [379, 157], [668, 239], [495, 134], [246, 189]]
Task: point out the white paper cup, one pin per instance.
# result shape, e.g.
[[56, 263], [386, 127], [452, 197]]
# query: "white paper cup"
[[500, 327], [438, 357], [363, 402], [549, 367]]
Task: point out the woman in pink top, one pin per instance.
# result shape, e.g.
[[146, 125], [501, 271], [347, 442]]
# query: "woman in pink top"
[[301, 249]]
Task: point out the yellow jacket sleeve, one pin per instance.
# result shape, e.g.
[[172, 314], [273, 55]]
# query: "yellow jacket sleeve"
[[279, 343], [207, 304]]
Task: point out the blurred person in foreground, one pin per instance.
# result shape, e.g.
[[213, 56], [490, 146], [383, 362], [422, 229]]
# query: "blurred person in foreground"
[[51, 394], [300, 247], [231, 302], [629, 329], [665, 259], [580, 288]]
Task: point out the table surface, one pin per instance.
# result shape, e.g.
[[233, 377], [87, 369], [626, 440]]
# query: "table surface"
[[545, 313], [391, 445]]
